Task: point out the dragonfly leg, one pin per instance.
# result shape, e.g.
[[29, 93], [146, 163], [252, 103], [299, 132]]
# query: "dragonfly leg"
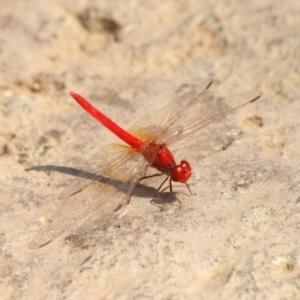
[[142, 178], [158, 193], [173, 194], [188, 188], [170, 186], [157, 190]]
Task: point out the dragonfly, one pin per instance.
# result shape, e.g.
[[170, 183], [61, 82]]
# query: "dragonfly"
[[107, 181]]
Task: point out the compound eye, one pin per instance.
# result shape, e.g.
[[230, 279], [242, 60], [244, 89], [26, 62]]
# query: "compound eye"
[[181, 172], [185, 165]]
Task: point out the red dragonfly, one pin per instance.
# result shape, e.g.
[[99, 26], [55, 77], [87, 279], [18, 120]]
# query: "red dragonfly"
[[109, 179]]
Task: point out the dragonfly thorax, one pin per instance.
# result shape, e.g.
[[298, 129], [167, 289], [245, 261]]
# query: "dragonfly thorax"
[[164, 162]]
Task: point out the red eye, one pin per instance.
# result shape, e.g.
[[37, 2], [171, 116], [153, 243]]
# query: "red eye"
[[181, 172]]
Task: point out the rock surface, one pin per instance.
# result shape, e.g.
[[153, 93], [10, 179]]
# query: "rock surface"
[[237, 236]]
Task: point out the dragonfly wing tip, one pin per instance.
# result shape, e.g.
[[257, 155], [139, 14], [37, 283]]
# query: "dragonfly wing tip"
[[209, 84], [256, 98]]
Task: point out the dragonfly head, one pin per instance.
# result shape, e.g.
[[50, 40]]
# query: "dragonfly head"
[[181, 172]]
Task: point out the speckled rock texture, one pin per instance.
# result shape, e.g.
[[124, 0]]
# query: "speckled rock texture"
[[237, 235]]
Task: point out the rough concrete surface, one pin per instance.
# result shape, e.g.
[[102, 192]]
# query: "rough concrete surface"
[[237, 235]]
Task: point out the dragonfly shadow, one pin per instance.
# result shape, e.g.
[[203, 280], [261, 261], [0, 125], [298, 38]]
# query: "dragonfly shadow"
[[168, 197], [141, 190]]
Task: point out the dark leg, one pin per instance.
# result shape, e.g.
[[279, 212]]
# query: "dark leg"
[[158, 193], [145, 177], [173, 194], [188, 188], [157, 190]]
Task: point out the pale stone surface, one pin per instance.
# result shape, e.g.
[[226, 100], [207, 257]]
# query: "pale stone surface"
[[237, 236]]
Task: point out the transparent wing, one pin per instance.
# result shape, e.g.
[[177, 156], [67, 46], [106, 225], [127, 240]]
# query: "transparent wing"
[[119, 168], [209, 109], [182, 118], [99, 166], [155, 125]]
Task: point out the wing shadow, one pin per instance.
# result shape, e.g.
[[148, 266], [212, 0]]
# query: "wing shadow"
[[141, 190]]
